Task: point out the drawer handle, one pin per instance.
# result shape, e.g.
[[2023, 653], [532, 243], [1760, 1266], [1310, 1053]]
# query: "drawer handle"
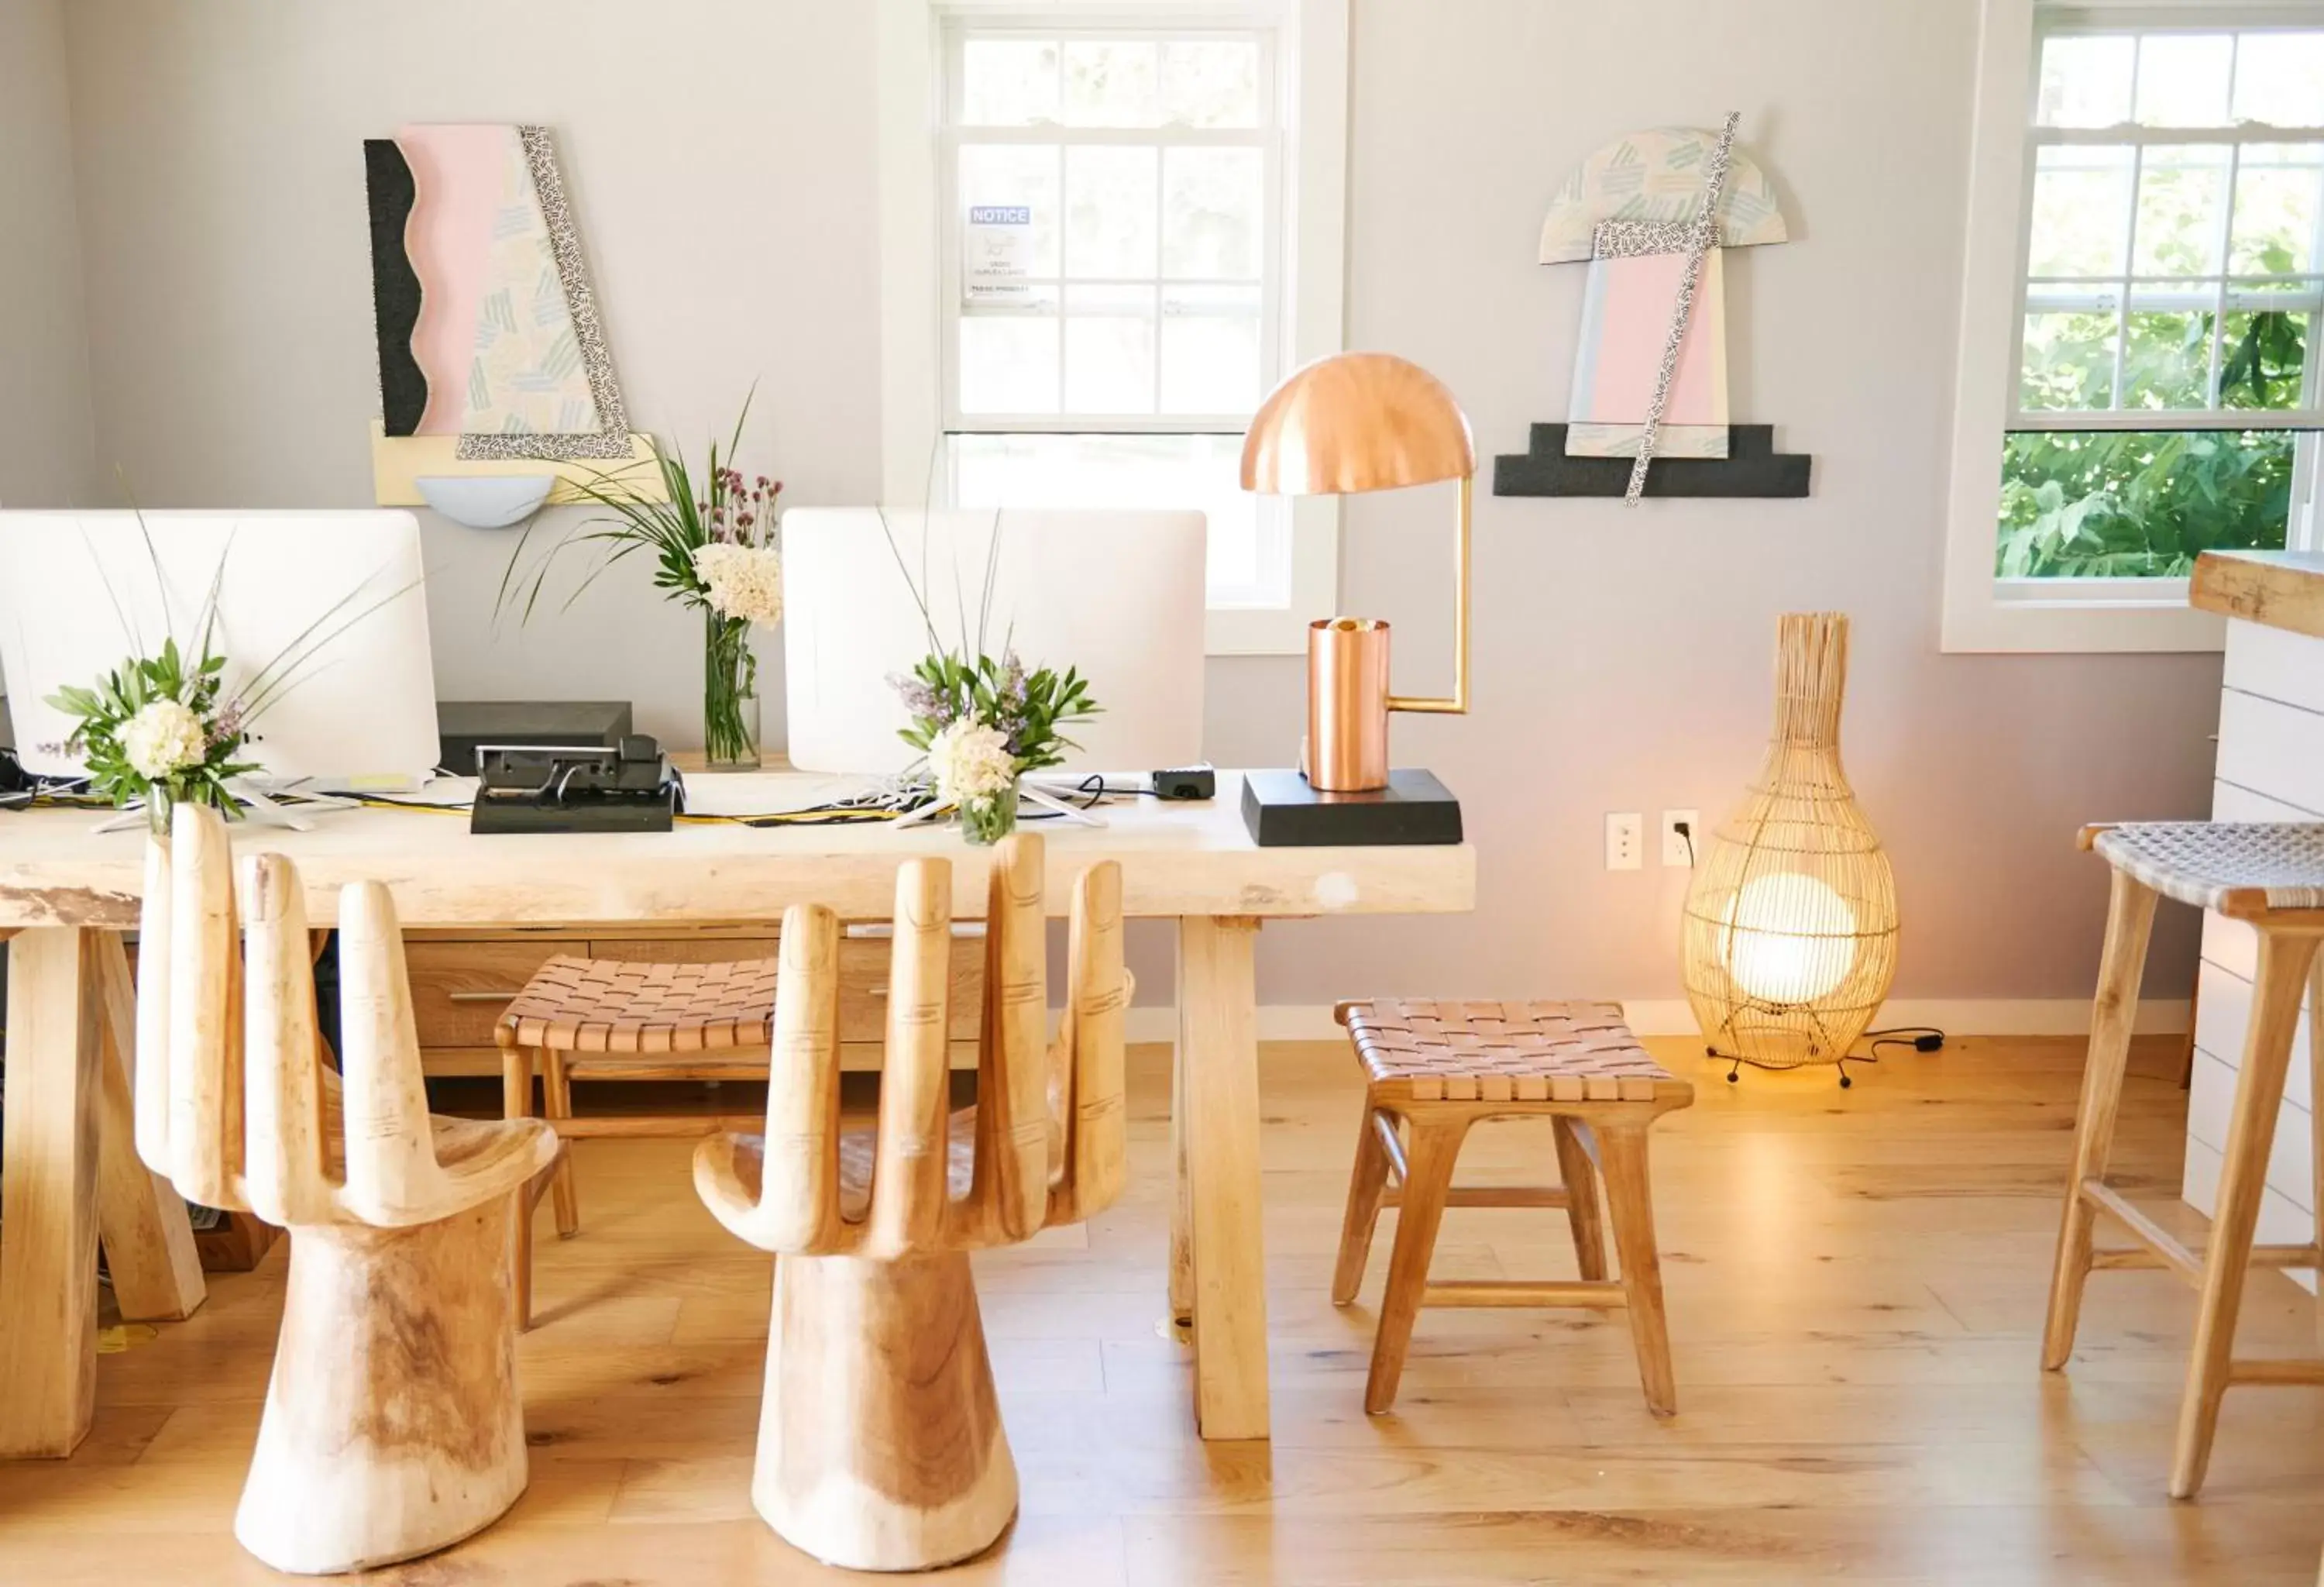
[[480, 997]]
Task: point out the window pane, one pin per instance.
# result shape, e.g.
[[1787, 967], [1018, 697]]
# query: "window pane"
[[2182, 192], [2069, 361], [1009, 82], [1248, 567], [2081, 212], [2183, 79], [2085, 81], [2263, 357], [1209, 365], [1014, 174], [1210, 84], [1008, 364], [2138, 504], [2279, 78], [1110, 350], [2167, 361], [1110, 213], [1211, 205], [2276, 188], [1110, 84]]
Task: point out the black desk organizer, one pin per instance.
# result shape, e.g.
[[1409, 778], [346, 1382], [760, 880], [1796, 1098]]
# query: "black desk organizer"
[[630, 787], [1282, 811], [1752, 467]]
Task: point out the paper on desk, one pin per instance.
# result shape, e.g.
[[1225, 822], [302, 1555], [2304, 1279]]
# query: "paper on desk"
[[710, 793]]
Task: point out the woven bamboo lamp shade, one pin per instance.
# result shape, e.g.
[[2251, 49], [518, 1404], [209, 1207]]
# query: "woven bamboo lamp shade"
[[1791, 921]]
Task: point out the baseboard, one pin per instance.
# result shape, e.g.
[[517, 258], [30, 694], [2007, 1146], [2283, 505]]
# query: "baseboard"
[[1671, 1016]]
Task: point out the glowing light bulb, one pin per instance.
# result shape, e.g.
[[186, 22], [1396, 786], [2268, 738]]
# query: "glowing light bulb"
[[1788, 938]]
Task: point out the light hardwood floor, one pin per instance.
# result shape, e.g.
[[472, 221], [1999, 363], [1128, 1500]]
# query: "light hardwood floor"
[[1856, 1287]]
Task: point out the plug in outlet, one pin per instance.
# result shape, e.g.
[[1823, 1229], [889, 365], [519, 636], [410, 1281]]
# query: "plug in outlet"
[[1679, 848], [1626, 841]]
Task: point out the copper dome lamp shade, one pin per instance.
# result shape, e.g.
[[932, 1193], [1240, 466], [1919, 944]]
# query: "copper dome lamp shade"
[[1351, 423]]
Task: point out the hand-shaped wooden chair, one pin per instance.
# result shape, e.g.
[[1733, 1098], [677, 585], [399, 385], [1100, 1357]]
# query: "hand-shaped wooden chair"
[[392, 1425], [880, 1447]]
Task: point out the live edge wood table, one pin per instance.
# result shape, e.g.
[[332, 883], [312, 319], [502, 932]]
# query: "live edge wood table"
[[69, 1172]]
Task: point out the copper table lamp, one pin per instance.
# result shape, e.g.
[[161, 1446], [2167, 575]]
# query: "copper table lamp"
[[1353, 422]]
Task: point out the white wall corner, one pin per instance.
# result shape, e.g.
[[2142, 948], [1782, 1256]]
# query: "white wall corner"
[[910, 359]]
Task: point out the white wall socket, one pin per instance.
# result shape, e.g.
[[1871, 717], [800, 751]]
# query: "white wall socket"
[[1625, 840], [1676, 848]]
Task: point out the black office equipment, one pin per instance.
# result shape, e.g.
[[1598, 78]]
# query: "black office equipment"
[[1185, 782], [579, 788], [464, 726], [1282, 811]]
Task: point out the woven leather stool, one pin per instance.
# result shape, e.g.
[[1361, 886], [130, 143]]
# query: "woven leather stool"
[[2270, 876], [1440, 1067], [611, 1019]]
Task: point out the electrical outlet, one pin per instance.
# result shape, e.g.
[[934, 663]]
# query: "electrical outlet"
[[1679, 848], [1625, 840]]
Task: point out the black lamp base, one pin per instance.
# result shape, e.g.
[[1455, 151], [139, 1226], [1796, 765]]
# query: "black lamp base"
[[1283, 811]]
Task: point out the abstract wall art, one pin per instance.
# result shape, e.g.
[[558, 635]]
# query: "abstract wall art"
[[492, 356], [1653, 214]]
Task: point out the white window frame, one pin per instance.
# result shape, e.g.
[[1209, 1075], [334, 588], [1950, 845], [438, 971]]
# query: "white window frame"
[[1982, 611], [1307, 180]]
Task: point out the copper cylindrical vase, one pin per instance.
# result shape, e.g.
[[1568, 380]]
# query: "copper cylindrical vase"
[[1347, 704]]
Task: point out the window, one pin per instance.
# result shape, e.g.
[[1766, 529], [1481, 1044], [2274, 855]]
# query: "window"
[[1114, 277], [1136, 235], [2169, 269]]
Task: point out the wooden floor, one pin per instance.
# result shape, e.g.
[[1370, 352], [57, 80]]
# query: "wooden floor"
[[1856, 1286]]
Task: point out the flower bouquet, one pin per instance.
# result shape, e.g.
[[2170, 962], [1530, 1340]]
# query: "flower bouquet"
[[714, 548], [983, 723]]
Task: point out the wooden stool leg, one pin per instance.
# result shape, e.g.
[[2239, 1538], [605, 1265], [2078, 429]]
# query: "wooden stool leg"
[[1182, 1199], [1580, 1177], [2122, 965], [516, 1102], [1363, 1208], [1622, 1154], [392, 1425], [881, 1445], [2284, 961], [1430, 1152], [557, 1101]]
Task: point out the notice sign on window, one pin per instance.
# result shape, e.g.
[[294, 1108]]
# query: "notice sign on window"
[[997, 254]]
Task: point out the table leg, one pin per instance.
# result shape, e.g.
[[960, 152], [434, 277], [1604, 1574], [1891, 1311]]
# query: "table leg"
[[48, 1183], [1181, 1201], [141, 1219], [1218, 1051]]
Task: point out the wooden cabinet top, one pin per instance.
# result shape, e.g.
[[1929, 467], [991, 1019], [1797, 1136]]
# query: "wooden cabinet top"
[[2279, 589]]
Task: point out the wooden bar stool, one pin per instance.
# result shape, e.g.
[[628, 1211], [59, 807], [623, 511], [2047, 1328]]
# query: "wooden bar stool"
[[612, 1019], [2271, 876], [1440, 1067], [881, 1444], [393, 1425]]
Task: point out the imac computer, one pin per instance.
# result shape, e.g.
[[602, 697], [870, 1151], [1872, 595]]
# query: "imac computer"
[[81, 593], [1118, 595]]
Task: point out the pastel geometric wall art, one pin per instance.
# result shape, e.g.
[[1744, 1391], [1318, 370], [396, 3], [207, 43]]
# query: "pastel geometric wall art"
[[1654, 213], [489, 339]]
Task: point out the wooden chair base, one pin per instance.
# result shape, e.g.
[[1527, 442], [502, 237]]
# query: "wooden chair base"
[[880, 1446], [393, 1425]]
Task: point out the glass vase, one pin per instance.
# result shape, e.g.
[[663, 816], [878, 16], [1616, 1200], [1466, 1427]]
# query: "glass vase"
[[157, 806], [729, 695], [987, 819]]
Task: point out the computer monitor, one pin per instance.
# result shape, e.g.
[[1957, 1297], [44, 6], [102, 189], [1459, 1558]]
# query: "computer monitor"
[[1118, 595], [81, 592]]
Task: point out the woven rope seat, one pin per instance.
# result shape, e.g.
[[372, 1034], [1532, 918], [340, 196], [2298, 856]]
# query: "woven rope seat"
[[2234, 866], [610, 1006], [1505, 1051]]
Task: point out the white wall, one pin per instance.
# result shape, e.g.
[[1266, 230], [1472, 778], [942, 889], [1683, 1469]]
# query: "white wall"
[[1622, 657], [45, 403], [720, 158]]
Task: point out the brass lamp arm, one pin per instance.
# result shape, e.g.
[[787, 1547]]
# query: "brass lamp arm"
[[1458, 704]]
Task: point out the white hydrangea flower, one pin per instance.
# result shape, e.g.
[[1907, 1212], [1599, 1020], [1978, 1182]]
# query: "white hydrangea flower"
[[970, 761], [741, 581], [165, 736]]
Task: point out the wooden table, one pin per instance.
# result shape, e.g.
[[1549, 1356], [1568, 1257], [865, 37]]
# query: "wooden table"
[[68, 1172]]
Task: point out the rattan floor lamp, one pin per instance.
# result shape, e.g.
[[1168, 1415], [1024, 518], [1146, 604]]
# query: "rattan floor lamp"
[[1791, 922]]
